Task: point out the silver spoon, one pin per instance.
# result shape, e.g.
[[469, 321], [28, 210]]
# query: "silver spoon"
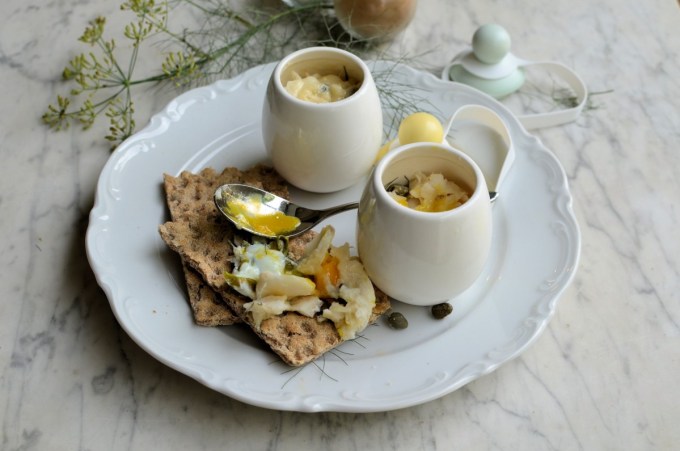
[[260, 202]]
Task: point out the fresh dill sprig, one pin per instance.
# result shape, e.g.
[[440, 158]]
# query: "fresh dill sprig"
[[224, 41], [399, 99], [228, 42], [568, 100], [98, 75], [549, 94]]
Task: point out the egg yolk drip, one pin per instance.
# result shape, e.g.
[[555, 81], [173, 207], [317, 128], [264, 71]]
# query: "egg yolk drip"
[[327, 277], [251, 215]]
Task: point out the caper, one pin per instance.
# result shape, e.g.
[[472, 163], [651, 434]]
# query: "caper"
[[397, 321], [439, 311], [400, 190], [398, 187]]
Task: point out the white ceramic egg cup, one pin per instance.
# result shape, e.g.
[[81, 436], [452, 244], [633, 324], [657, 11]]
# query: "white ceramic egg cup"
[[417, 257], [423, 258], [322, 147]]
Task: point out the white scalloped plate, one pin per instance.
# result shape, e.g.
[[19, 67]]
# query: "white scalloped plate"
[[534, 255]]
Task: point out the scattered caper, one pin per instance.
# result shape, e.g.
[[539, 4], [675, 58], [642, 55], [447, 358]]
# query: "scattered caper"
[[439, 311], [397, 321]]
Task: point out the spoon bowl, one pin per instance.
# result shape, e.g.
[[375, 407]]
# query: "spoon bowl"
[[267, 215]]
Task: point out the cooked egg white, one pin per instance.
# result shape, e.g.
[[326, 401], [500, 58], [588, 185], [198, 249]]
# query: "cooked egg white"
[[260, 274], [327, 272], [274, 305], [343, 277], [356, 289], [257, 258]]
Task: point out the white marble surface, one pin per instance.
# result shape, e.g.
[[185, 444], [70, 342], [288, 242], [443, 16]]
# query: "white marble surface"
[[604, 374]]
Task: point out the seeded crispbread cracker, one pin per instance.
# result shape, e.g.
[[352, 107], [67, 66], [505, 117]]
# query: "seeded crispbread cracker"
[[192, 194], [204, 243], [208, 307]]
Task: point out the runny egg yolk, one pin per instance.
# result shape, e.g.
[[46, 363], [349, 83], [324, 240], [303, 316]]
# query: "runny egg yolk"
[[327, 277], [248, 213]]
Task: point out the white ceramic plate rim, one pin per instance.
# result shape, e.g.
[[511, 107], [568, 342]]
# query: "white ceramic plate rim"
[[534, 257]]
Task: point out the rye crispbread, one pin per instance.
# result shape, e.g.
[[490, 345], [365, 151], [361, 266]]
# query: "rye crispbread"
[[204, 240], [192, 194], [182, 198]]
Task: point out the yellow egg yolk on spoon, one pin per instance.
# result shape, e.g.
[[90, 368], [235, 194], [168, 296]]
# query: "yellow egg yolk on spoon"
[[248, 214]]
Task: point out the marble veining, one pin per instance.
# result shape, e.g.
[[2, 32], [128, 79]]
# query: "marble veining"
[[603, 375]]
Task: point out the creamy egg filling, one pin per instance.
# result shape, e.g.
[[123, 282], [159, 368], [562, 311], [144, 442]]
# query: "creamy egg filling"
[[430, 193], [318, 88]]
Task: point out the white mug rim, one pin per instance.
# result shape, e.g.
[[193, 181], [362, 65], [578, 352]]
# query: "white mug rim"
[[287, 60], [380, 190]]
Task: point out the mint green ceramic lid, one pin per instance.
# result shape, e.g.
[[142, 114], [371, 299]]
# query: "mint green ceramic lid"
[[489, 66]]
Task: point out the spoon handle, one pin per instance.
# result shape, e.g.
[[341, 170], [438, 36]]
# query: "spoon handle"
[[312, 217], [339, 209]]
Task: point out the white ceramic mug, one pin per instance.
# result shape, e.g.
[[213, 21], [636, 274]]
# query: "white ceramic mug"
[[322, 147], [424, 258]]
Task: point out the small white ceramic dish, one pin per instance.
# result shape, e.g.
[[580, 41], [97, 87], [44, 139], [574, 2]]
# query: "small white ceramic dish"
[[533, 257], [322, 147], [424, 258]]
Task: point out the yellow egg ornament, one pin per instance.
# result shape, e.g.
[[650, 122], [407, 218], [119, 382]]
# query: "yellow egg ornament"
[[417, 127], [420, 127]]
